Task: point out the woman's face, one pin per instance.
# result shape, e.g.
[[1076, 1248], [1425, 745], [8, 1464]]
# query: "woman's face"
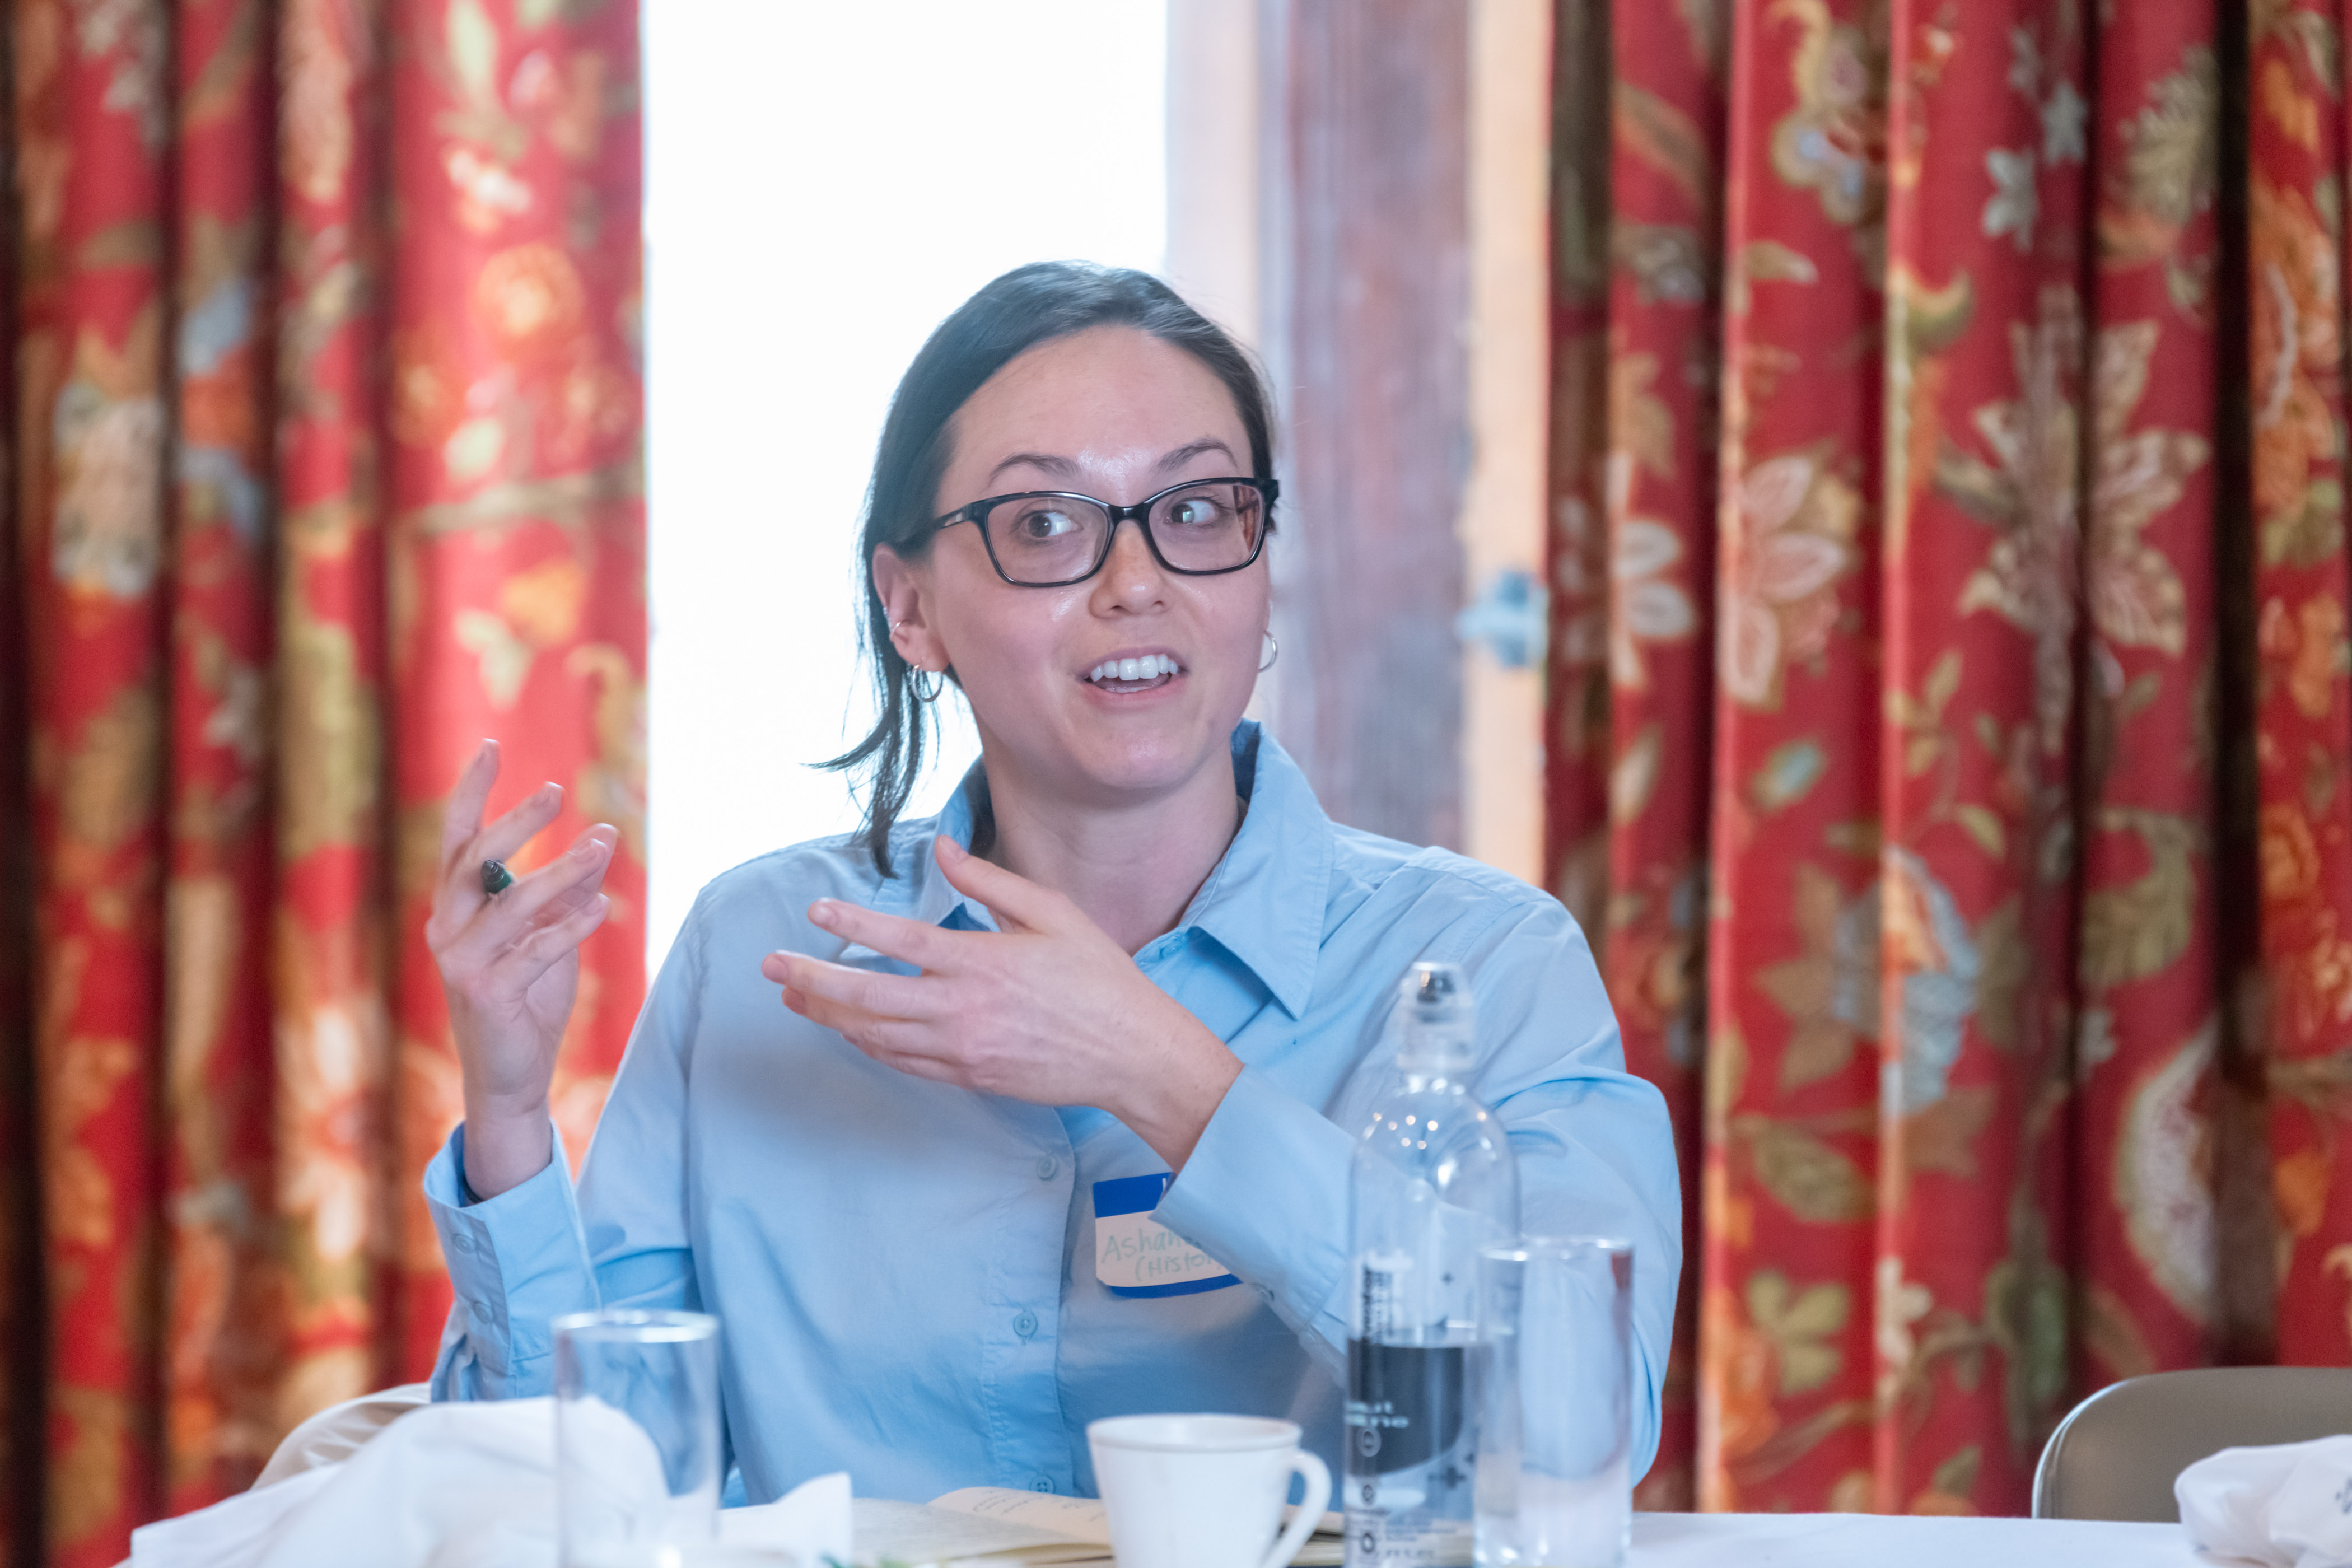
[[1115, 413]]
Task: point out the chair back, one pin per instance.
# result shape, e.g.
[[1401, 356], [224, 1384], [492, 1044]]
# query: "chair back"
[[2117, 1454]]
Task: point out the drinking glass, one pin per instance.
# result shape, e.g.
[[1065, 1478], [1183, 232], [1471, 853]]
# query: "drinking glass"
[[637, 1463], [1554, 1403]]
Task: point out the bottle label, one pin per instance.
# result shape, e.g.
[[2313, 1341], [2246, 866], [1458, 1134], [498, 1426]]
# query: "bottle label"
[[1409, 1490], [1404, 1405], [1375, 1540]]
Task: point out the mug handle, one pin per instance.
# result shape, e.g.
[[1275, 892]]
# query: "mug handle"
[[1310, 1470]]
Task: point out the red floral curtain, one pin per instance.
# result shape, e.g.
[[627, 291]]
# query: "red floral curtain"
[[1949, 722], [325, 463]]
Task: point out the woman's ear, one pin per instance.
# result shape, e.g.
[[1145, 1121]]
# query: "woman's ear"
[[904, 589]]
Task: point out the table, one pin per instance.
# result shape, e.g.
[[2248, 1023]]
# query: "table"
[[1884, 1540]]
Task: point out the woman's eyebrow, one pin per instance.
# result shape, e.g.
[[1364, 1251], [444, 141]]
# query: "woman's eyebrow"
[[1061, 467], [1192, 450]]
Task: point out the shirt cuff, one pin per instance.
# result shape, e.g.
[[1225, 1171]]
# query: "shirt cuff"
[[517, 1261], [1266, 1193]]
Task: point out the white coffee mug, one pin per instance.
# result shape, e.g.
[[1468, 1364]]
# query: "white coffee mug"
[[1203, 1491]]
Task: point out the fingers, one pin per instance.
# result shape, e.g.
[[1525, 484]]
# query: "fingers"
[[502, 919], [1011, 898], [466, 843], [857, 990], [516, 828], [876, 1035], [925, 946], [463, 818], [529, 959]]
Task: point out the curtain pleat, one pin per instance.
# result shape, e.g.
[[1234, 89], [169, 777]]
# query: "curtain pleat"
[[2153, 1037], [216, 1061], [517, 543], [326, 466], [1980, 633], [1791, 1153], [1638, 182], [2023, 736], [328, 926], [2295, 189], [94, 115]]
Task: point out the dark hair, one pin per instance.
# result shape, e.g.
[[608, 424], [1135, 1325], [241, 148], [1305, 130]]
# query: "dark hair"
[[1017, 312]]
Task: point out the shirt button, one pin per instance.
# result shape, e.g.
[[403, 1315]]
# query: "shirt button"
[[1042, 1484], [1024, 1325], [463, 1243], [1047, 1166]]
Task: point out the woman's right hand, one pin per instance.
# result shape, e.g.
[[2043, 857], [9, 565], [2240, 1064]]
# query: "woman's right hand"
[[511, 966]]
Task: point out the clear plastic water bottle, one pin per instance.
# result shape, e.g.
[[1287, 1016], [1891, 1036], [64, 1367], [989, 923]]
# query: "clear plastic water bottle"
[[1434, 1181]]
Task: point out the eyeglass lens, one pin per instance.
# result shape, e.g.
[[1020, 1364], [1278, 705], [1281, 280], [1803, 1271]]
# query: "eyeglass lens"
[[1055, 539]]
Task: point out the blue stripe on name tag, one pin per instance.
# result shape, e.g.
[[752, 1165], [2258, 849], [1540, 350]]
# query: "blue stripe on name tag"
[[1141, 1195], [1129, 1195]]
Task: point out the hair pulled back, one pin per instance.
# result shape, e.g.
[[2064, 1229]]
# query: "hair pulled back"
[[1017, 312]]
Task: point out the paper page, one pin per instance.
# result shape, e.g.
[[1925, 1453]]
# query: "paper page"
[[1081, 1518], [1333, 1522], [914, 1533], [1078, 1517]]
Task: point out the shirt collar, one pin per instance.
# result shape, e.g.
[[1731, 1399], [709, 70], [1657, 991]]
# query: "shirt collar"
[[1263, 903], [919, 891]]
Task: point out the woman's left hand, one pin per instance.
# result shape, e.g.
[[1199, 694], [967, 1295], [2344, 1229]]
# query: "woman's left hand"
[[1046, 1009]]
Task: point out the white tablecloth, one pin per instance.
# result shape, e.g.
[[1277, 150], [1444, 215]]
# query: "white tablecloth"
[[1877, 1541]]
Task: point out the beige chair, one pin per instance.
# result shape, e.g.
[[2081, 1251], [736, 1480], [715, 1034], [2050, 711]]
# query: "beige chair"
[[2115, 1455]]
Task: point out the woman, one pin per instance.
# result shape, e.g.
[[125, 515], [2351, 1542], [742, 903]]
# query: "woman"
[[1054, 1118]]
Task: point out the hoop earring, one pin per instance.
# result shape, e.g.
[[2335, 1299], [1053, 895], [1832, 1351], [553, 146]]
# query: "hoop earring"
[[1266, 656], [939, 684]]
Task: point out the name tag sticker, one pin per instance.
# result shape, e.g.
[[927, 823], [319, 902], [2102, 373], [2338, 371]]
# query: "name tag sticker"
[[1135, 1254]]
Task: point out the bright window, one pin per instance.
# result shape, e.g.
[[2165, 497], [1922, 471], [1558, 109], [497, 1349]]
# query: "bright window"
[[824, 183]]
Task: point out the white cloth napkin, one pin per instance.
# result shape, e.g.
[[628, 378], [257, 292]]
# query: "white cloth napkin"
[[341, 1430], [2287, 1506], [461, 1485]]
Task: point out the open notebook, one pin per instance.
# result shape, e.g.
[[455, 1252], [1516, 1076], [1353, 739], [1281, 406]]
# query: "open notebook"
[[995, 1524]]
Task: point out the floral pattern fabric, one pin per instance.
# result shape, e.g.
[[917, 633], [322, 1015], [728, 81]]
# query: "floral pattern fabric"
[[325, 465], [1925, 690], [2295, 135]]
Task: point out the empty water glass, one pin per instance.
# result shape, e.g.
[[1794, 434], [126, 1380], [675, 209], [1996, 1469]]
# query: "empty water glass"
[[1553, 1397], [637, 1458]]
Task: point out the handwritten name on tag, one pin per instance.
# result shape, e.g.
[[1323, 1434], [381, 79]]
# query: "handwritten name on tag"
[[1135, 1254]]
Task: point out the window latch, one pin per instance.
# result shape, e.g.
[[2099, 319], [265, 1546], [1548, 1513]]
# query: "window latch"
[[1512, 618]]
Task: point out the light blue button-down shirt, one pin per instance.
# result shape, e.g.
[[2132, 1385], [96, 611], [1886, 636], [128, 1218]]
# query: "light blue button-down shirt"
[[906, 1271]]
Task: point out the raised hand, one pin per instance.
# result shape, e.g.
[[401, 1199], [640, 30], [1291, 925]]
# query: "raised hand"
[[511, 966], [1049, 1009]]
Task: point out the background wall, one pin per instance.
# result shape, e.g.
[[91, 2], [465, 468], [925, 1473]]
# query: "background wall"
[[824, 184]]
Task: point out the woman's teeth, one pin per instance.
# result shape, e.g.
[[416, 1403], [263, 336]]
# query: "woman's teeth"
[[1151, 667]]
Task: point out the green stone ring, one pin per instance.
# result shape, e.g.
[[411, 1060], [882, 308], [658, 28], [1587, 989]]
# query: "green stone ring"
[[496, 878]]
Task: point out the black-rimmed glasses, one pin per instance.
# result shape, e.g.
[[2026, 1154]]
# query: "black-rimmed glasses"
[[1051, 538]]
